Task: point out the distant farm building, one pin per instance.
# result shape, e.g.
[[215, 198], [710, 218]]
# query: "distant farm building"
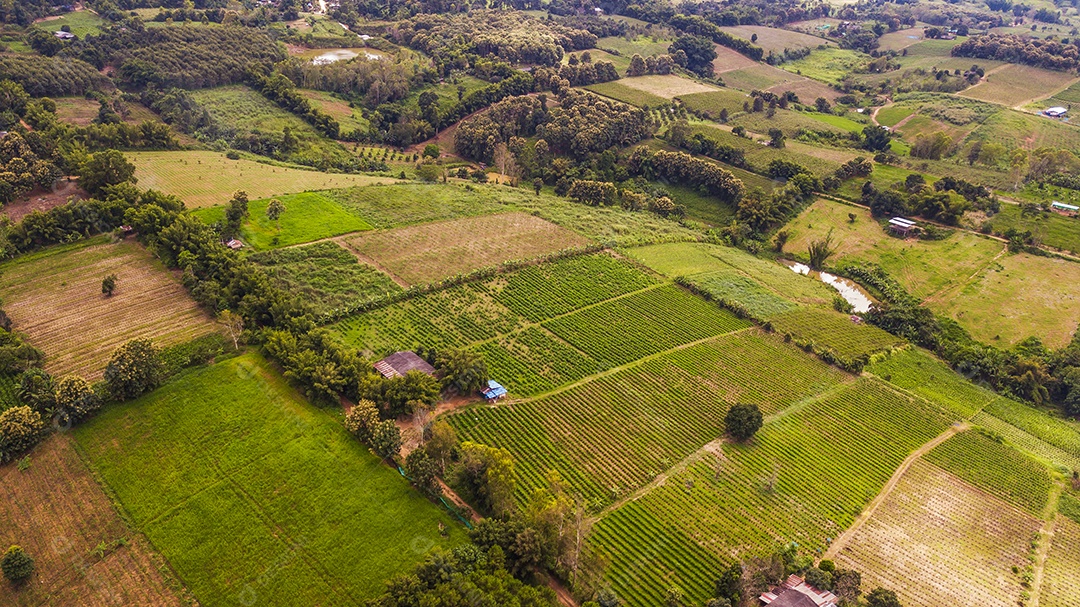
[[1064, 209], [494, 391], [901, 226], [1056, 112], [234, 244], [400, 363], [64, 35], [795, 592]]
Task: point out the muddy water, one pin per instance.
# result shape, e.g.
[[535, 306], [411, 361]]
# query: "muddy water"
[[852, 293]]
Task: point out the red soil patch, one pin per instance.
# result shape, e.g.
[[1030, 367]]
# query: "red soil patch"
[[43, 200]]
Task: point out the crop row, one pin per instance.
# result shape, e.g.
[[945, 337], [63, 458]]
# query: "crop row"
[[938, 541], [1027, 442], [995, 467], [803, 478], [850, 340], [644, 323], [544, 291], [1057, 432], [1061, 586], [919, 372], [613, 434], [534, 361], [733, 287]]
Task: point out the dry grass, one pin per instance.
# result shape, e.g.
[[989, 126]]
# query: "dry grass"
[[728, 60], [430, 252], [668, 87], [776, 40], [900, 39], [55, 298], [938, 541], [1014, 85], [83, 552], [79, 111]]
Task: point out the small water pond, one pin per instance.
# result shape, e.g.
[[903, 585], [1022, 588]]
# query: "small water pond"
[[852, 293]]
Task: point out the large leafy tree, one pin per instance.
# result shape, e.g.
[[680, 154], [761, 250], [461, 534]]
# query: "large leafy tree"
[[105, 169], [134, 369], [743, 421], [20, 428]]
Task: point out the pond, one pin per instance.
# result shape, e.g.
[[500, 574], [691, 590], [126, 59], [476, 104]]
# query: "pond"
[[334, 55], [852, 293]]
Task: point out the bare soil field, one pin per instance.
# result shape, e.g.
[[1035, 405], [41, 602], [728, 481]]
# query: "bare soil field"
[[79, 111], [938, 541], [900, 39], [1060, 586], [55, 298], [776, 40], [43, 200], [430, 252], [668, 87], [728, 60], [83, 552]]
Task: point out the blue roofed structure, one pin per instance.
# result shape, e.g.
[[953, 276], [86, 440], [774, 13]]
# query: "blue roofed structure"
[[494, 391]]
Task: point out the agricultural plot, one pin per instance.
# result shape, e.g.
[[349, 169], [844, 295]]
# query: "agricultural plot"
[[348, 117], [83, 552], [614, 433], [1050, 229], [1028, 443], [1014, 85], [1057, 432], [619, 91], [924, 268], [828, 65], [996, 468], [641, 324], [734, 289], [821, 161], [835, 331], [325, 275], [937, 540], [728, 60], [645, 46], [54, 297], [203, 179], [79, 111], [793, 123], [667, 86], [82, 23], [776, 40], [693, 259], [308, 216], [708, 209], [900, 39], [1069, 505], [404, 204], [1018, 296], [918, 372], [428, 253], [804, 478], [713, 102], [1059, 586], [533, 361], [1011, 128], [751, 76], [277, 501], [891, 115]]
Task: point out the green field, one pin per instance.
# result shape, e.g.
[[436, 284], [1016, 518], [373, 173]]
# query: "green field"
[[641, 45], [612, 434], [1053, 430], [203, 179], [307, 217], [704, 208], [892, 114], [1049, 228], [82, 23], [995, 467], [821, 161], [713, 102], [619, 91], [918, 372], [249, 491], [325, 275], [828, 65], [804, 478], [850, 341]]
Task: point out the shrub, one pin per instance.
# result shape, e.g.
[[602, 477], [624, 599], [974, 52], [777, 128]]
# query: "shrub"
[[134, 369], [17, 565], [20, 429], [75, 399], [362, 419]]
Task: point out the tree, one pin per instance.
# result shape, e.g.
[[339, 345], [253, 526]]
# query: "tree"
[[699, 51], [743, 421], [881, 597], [235, 213], [274, 210], [234, 325], [488, 473], [776, 138], [820, 251], [17, 565], [386, 439], [431, 150], [462, 370], [105, 169], [134, 369], [362, 419], [822, 105], [847, 584], [637, 66], [673, 597], [423, 471], [75, 399], [108, 285], [875, 138], [37, 391], [20, 429], [441, 444]]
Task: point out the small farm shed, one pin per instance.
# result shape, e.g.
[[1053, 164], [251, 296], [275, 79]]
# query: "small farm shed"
[[400, 363], [1056, 112], [234, 244], [1065, 209], [64, 35], [795, 592], [494, 391], [901, 226]]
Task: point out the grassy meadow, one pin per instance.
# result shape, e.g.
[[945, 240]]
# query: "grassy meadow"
[[307, 217], [253, 494]]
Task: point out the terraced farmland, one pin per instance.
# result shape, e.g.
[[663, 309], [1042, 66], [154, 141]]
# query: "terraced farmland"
[[917, 371], [1061, 586], [995, 467], [804, 478], [733, 288], [937, 540], [614, 433]]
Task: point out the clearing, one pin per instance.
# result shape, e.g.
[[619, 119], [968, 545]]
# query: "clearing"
[[1014, 85], [431, 252], [203, 179], [83, 552], [254, 495], [776, 40], [308, 216], [54, 297], [938, 541]]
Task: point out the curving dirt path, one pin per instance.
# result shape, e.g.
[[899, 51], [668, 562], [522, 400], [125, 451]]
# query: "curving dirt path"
[[872, 507]]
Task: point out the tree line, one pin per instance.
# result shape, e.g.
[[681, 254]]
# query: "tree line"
[[1040, 52]]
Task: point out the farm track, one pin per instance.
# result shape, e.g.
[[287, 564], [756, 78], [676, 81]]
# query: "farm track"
[[1046, 541], [872, 507]]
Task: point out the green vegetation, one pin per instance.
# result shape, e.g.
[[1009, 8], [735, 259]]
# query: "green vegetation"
[[918, 372], [307, 217], [247, 458], [325, 275], [1057, 432], [804, 478], [829, 65], [1059, 585], [1049, 228], [996, 468], [834, 331], [407, 204], [81, 23]]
